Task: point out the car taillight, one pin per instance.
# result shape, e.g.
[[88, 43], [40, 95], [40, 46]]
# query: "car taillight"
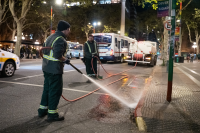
[[111, 52]]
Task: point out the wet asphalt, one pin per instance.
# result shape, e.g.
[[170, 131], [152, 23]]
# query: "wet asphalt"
[[99, 112]]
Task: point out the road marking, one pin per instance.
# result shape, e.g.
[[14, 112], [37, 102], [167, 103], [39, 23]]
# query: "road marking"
[[192, 71], [43, 74], [190, 76], [68, 89]]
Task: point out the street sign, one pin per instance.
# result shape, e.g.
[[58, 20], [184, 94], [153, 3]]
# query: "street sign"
[[167, 25], [163, 8], [53, 31]]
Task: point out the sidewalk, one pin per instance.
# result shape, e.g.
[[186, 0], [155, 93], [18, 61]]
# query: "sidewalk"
[[182, 114]]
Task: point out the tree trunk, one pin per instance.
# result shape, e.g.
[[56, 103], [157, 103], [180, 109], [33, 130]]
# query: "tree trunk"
[[197, 40], [86, 33], [45, 35], [180, 43], [165, 46], [13, 37], [19, 39]]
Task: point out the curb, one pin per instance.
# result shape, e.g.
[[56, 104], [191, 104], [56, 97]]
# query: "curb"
[[138, 110], [140, 124]]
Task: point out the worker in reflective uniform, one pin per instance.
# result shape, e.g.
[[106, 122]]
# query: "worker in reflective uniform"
[[90, 51], [52, 67]]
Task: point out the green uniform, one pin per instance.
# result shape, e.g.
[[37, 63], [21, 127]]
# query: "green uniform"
[[53, 69], [89, 49], [198, 56]]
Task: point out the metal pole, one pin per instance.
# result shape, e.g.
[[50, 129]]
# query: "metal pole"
[[147, 33], [171, 54], [51, 18], [122, 27], [180, 35]]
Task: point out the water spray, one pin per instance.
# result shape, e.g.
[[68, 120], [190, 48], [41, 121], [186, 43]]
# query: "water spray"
[[96, 83]]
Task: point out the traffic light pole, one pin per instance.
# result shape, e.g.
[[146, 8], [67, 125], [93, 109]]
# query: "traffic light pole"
[[171, 53]]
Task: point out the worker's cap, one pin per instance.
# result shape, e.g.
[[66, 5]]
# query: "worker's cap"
[[63, 25]]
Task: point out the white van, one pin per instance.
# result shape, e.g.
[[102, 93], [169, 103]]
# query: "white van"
[[9, 62]]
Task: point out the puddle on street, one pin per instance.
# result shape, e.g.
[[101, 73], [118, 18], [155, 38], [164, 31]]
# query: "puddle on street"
[[110, 110]]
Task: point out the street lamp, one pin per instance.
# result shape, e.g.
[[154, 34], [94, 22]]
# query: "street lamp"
[[95, 24], [59, 2]]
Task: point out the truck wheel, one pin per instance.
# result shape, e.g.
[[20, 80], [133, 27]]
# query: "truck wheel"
[[70, 56], [103, 61], [78, 57], [8, 69], [155, 62], [130, 63], [122, 59]]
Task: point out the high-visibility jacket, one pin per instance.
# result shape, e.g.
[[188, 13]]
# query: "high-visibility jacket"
[[90, 48], [51, 62]]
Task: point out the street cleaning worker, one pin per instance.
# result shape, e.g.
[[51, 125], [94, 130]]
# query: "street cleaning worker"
[[52, 67], [90, 51]]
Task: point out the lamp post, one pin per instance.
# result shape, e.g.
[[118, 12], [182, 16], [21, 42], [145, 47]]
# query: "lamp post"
[[58, 2], [95, 24]]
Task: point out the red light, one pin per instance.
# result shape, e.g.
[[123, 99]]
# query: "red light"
[[111, 52]]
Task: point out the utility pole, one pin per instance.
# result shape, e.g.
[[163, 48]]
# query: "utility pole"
[[122, 27], [171, 53], [51, 19], [180, 35]]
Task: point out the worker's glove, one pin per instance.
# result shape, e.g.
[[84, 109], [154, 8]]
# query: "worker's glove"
[[67, 61]]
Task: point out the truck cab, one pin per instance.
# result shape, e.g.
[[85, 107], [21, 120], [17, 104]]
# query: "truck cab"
[[9, 62]]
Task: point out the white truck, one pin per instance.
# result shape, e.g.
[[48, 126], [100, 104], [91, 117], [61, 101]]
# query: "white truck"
[[142, 52], [9, 62]]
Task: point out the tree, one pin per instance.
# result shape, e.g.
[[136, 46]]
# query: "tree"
[[13, 29], [164, 39], [19, 19], [192, 21], [3, 11]]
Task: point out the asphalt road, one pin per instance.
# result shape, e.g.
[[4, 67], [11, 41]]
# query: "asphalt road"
[[99, 112]]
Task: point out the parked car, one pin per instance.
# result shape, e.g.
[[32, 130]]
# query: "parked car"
[[9, 62]]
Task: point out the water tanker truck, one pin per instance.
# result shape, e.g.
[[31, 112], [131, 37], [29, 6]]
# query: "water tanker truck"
[[142, 52]]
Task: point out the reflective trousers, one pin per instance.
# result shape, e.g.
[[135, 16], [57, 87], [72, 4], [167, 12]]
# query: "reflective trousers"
[[89, 69]]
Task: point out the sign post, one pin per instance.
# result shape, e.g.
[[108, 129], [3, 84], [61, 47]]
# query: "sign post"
[[171, 53]]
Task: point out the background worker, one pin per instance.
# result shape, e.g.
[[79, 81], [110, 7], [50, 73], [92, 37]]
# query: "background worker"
[[198, 56], [52, 67], [90, 51]]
